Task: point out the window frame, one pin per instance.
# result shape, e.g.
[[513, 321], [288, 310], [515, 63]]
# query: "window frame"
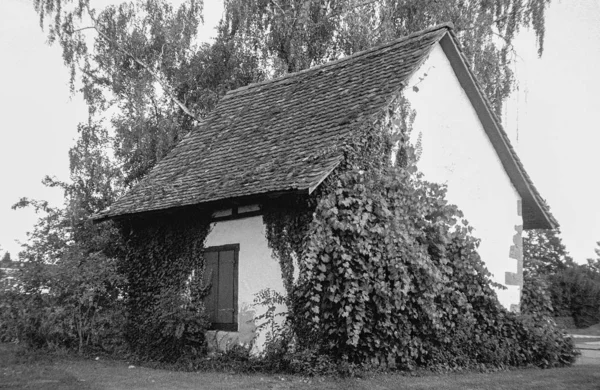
[[233, 326]]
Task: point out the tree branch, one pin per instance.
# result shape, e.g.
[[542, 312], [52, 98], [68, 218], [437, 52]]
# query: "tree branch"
[[85, 28], [166, 87]]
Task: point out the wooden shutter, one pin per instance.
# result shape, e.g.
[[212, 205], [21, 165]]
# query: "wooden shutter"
[[222, 272], [225, 301]]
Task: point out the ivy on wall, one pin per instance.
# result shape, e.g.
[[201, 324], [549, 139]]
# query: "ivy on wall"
[[389, 272], [287, 221], [166, 316]]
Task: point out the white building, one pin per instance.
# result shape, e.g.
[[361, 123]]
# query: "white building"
[[278, 138]]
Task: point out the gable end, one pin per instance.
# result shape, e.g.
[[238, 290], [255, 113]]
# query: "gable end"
[[535, 214]]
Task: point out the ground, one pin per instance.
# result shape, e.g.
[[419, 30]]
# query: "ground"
[[27, 371], [588, 342]]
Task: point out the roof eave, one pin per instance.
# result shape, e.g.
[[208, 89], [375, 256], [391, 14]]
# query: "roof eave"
[[209, 205]]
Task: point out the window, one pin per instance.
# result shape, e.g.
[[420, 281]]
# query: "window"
[[222, 269]]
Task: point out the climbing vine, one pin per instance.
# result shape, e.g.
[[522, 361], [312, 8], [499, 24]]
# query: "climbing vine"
[[164, 267], [287, 222], [388, 270]]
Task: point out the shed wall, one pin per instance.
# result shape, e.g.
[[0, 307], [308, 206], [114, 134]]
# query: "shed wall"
[[456, 151]]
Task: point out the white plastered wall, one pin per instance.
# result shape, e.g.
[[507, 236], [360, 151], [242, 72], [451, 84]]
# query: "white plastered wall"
[[457, 152], [257, 270]]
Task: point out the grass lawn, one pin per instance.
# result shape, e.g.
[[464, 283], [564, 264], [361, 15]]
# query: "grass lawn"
[[20, 370]]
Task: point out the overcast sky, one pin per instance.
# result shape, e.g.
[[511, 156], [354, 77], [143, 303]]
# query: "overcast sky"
[[552, 119]]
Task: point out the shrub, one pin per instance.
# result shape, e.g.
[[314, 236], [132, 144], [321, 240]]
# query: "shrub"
[[575, 291], [71, 304], [174, 329], [11, 309], [535, 296]]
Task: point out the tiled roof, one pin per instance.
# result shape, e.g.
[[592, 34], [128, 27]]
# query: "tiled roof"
[[270, 137], [281, 135]]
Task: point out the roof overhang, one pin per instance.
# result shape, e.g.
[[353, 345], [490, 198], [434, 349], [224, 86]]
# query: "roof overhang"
[[207, 206]]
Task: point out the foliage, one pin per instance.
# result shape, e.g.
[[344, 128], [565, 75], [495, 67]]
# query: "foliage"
[[535, 296], [139, 66], [389, 273], [544, 255], [68, 286], [576, 292], [164, 267], [594, 264], [272, 321], [398, 296], [6, 258], [286, 222], [5, 262], [544, 251], [554, 283], [72, 303]]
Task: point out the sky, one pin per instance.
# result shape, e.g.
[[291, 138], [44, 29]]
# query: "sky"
[[551, 118]]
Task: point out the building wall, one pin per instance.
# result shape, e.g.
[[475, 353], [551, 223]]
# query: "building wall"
[[457, 152], [257, 270]]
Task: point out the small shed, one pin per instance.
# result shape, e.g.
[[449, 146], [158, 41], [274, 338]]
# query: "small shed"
[[278, 138]]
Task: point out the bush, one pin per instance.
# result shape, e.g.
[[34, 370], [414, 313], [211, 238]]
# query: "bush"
[[72, 304], [173, 329], [11, 309], [535, 296], [575, 292]]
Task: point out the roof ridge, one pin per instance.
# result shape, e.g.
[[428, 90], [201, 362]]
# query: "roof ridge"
[[449, 26]]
